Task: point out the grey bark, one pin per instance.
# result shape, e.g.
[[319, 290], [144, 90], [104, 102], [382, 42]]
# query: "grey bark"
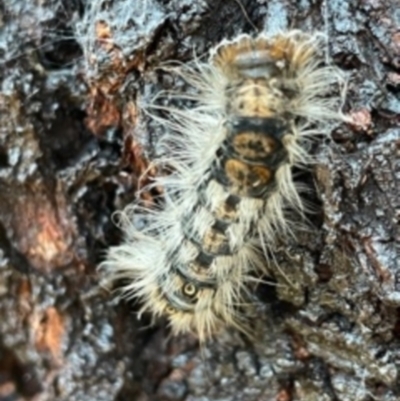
[[69, 79]]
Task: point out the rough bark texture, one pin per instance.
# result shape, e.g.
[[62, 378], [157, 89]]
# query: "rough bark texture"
[[71, 152]]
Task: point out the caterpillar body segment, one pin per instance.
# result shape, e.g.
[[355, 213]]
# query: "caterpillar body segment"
[[258, 102]]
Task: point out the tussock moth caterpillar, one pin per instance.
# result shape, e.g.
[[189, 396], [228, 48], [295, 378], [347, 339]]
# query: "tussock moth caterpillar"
[[259, 100]]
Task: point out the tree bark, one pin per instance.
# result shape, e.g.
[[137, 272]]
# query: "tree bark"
[[72, 149]]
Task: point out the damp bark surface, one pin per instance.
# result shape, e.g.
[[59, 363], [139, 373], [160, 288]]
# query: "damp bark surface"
[[72, 149]]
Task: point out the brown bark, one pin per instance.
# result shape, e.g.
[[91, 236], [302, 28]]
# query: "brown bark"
[[71, 152]]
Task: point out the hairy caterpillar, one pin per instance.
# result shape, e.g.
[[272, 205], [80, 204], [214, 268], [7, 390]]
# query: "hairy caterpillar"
[[258, 101]]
